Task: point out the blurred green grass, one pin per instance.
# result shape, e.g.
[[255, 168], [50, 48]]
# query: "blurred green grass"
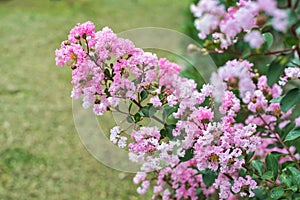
[[41, 156]]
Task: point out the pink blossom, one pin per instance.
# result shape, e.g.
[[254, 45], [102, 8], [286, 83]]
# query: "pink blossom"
[[143, 188], [155, 101], [241, 183], [87, 29], [233, 74], [297, 121], [254, 38], [224, 186], [230, 104]]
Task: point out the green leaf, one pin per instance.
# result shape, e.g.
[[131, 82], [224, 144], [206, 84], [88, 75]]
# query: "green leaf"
[[276, 100], [291, 41], [272, 165], [189, 154], [144, 95], [267, 175], [277, 192], [258, 166], [294, 188], [198, 191], [249, 156], [148, 111], [242, 172], [107, 72], [259, 193], [296, 175], [145, 112], [290, 99], [286, 179], [246, 52], [167, 111], [209, 177], [293, 134], [293, 17], [269, 39], [169, 129], [130, 106], [276, 69], [163, 133], [129, 119], [294, 62], [137, 117]]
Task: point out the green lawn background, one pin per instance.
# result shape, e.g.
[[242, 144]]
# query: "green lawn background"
[[41, 156]]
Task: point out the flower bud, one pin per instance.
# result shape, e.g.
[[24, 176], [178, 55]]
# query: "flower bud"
[[259, 109], [77, 37], [67, 42], [97, 101], [261, 20], [73, 67]]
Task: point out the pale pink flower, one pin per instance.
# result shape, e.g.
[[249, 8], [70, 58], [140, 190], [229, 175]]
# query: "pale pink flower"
[[240, 182], [155, 101], [254, 38]]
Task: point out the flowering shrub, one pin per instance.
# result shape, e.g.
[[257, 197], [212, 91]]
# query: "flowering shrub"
[[189, 153]]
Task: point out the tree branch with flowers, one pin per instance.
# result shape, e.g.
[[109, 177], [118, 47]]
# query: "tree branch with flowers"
[[251, 151]]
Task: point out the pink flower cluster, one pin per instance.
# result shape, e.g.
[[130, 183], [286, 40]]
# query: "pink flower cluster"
[[244, 17], [102, 82], [179, 154], [290, 73]]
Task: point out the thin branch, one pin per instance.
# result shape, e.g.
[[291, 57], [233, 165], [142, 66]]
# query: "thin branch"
[[154, 117], [296, 4], [277, 137], [271, 52]]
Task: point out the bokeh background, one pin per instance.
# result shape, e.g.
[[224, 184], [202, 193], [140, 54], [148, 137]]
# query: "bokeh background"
[[41, 155]]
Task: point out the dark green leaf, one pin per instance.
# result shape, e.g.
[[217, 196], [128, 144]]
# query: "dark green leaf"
[[242, 172], [276, 100], [163, 88], [161, 96], [129, 119], [276, 69], [198, 191], [163, 133], [258, 166], [292, 17], [277, 192], [167, 111], [145, 112], [144, 95], [293, 134], [148, 111], [169, 129], [130, 106], [296, 175], [137, 117], [272, 165], [246, 52], [189, 154], [286, 179], [290, 99], [249, 156], [290, 40], [267, 175], [107, 72], [209, 177], [269, 39], [259, 193]]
